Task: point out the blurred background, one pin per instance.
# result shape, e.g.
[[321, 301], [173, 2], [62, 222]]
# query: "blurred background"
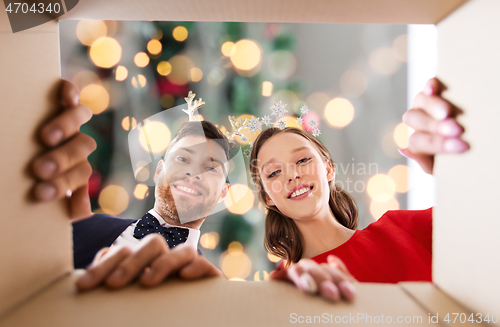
[[352, 77]]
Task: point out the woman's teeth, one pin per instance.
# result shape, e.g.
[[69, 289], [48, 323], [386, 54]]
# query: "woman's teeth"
[[299, 192]]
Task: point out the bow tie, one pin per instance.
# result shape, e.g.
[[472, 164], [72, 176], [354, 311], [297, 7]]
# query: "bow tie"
[[148, 224]]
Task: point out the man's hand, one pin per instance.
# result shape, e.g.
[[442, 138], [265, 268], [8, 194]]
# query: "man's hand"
[[331, 279], [152, 261], [436, 128], [64, 169]]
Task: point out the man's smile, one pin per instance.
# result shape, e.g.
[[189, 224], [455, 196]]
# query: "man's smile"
[[187, 189]]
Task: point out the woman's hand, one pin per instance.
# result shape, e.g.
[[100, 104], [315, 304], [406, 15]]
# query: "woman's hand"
[[436, 128], [64, 169], [332, 279], [152, 261]]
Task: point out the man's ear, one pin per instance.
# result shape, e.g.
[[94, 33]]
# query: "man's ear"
[[223, 193], [330, 171], [158, 170], [269, 202]]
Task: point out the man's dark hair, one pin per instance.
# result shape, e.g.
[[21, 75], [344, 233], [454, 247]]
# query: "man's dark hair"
[[209, 130]]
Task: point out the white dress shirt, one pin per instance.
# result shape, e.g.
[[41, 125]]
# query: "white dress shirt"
[[127, 237]]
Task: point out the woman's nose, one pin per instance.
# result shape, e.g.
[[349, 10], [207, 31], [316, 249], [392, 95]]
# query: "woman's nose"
[[296, 177]]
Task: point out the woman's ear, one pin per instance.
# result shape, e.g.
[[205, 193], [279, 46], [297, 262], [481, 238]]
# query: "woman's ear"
[[269, 202], [158, 170], [330, 171]]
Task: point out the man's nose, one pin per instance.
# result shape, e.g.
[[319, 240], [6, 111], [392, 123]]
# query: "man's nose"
[[190, 175]]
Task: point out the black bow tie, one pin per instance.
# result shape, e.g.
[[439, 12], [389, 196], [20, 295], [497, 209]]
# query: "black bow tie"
[[148, 224]]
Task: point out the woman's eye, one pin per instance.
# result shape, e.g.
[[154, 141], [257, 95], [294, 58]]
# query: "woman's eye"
[[274, 173], [304, 160], [182, 159]]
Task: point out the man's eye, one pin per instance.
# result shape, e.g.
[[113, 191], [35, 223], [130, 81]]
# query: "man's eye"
[[212, 169], [304, 160]]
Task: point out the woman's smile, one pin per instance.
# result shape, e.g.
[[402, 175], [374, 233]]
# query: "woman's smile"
[[300, 192]]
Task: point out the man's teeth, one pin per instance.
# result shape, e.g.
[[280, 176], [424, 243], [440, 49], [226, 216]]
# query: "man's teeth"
[[186, 189], [300, 192]]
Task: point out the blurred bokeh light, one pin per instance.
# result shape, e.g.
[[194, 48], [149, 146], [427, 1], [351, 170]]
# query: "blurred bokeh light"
[[113, 200], [105, 52]]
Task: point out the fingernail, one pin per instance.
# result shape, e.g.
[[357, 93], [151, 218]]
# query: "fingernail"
[[455, 146], [329, 292], [46, 168], [440, 112], [68, 193], [403, 153], [76, 99], [147, 274], [85, 281], [55, 136], [428, 90], [308, 284], [45, 191], [448, 128], [116, 276], [348, 290]]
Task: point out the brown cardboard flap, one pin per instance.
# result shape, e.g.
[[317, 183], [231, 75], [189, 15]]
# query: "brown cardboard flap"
[[208, 302], [437, 302], [466, 245], [35, 238], [317, 11]]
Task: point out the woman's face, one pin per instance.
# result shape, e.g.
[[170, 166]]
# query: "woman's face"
[[295, 176]]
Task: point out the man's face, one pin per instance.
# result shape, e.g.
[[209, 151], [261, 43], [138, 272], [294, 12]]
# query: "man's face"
[[191, 179]]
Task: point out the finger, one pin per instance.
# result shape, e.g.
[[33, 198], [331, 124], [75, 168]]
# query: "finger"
[[64, 157], [100, 268], [318, 273], [281, 273], [339, 264], [167, 264], [100, 254], [419, 120], [336, 275], [424, 143], [69, 94], [329, 291], [79, 203], [198, 268], [348, 290], [434, 87], [65, 125], [302, 279], [57, 188], [425, 161], [434, 106], [151, 247]]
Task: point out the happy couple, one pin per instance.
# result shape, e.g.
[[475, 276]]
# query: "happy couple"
[[308, 216]]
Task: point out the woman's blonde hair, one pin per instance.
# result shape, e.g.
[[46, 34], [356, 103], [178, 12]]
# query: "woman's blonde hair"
[[282, 237]]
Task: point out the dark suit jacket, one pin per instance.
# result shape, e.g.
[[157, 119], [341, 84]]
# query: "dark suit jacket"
[[94, 233]]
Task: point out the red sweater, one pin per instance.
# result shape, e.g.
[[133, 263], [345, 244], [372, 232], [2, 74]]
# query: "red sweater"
[[395, 248]]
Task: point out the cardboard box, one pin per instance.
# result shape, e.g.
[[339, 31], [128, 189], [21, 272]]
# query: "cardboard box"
[[36, 277]]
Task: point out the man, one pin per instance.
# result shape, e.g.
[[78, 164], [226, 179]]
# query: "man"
[[436, 131], [189, 182]]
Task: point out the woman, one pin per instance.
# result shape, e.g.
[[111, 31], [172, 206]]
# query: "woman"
[[309, 217]]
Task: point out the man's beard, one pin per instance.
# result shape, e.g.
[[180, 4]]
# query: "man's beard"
[[183, 209]]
